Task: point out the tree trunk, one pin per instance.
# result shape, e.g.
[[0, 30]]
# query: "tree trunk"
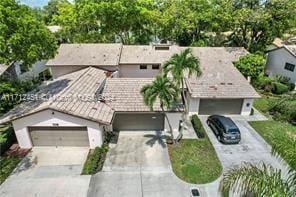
[[184, 97], [171, 129]]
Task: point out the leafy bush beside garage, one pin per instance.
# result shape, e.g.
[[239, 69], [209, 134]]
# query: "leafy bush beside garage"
[[198, 128], [7, 138], [95, 160]]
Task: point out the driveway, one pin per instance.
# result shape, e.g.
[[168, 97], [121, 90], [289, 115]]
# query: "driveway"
[[252, 147], [49, 171], [138, 165]]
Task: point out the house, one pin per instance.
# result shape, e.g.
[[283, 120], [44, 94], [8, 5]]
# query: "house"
[[14, 71], [281, 62], [86, 99]]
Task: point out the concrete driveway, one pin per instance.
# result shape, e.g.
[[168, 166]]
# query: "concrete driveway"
[[138, 165], [49, 171], [252, 147]]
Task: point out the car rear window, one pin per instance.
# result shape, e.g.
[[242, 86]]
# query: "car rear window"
[[232, 130]]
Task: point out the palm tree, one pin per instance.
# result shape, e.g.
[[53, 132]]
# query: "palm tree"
[[262, 180], [165, 91], [179, 65]]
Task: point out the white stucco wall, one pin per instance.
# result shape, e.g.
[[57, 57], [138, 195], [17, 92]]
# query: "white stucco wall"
[[247, 107], [58, 71], [33, 72], [47, 118], [276, 61], [134, 71], [193, 105]]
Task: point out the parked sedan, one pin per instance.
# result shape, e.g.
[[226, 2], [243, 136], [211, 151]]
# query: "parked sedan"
[[225, 129]]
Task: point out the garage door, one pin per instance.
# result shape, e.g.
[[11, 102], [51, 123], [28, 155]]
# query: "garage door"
[[132, 122], [220, 106], [59, 136]]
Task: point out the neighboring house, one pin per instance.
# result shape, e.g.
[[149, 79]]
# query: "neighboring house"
[[70, 117], [14, 71], [282, 61]]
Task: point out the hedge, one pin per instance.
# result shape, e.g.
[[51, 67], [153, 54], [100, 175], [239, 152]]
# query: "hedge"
[[95, 160], [279, 88], [197, 125], [7, 138]]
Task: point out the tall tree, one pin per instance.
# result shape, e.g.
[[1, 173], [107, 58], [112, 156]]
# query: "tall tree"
[[51, 9], [164, 91], [180, 66], [256, 23], [22, 37], [261, 180]]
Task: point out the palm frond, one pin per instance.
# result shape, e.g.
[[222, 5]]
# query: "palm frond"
[[261, 180]]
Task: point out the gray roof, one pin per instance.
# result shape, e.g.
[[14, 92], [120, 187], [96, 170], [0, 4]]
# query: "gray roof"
[[219, 79], [3, 68], [123, 94], [64, 96], [87, 55], [146, 54]]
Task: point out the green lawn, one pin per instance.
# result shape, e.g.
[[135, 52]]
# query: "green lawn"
[[195, 161], [264, 103], [281, 135], [7, 165]]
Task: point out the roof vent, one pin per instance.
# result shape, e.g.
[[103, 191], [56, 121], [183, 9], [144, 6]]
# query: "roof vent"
[[229, 83], [162, 48]]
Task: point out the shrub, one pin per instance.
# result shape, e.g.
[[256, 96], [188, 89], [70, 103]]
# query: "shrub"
[[291, 86], [251, 65], [7, 138], [284, 109], [264, 83], [197, 125], [95, 160], [279, 88]]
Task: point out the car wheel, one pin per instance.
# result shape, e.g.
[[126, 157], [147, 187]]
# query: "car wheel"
[[208, 122], [219, 138]]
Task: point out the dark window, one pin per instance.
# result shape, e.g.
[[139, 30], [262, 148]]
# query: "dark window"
[[155, 67], [289, 67], [165, 48], [143, 67]]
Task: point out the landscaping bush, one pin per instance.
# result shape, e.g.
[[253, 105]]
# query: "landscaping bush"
[[291, 86], [95, 160], [7, 138], [263, 83], [279, 88], [197, 125], [284, 109]]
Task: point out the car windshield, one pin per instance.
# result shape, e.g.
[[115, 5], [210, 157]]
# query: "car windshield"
[[232, 130]]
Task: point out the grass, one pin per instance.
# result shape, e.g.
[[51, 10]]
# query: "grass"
[[281, 136], [195, 161], [7, 165], [263, 104]]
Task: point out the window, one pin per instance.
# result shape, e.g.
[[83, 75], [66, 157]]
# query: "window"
[[155, 67], [142, 67], [289, 67], [162, 48]]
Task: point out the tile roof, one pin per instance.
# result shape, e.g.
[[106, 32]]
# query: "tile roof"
[[219, 79], [123, 94], [146, 54], [87, 55], [71, 94]]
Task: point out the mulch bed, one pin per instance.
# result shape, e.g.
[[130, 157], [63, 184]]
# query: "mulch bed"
[[15, 150]]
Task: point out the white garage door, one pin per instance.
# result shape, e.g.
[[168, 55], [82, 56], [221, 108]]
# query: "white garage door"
[[220, 106], [59, 136], [139, 121]]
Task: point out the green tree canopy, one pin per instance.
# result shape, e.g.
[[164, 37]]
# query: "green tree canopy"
[[22, 37], [251, 65]]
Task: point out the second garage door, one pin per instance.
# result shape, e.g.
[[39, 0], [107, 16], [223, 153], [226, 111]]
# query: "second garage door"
[[132, 122], [59, 136], [220, 106]]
